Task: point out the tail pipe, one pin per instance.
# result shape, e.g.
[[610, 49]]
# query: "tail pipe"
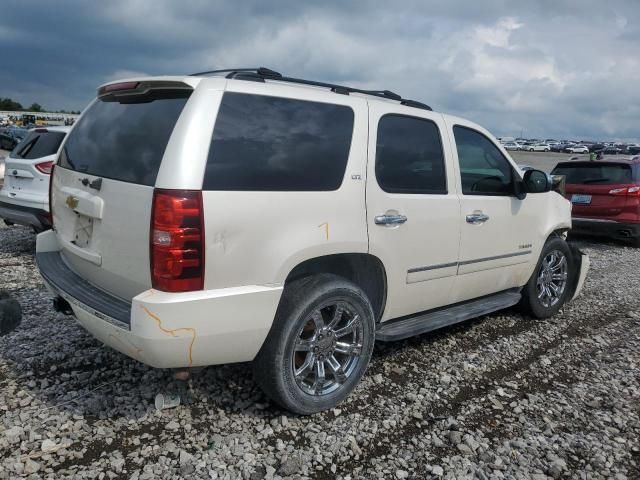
[[62, 306], [581, 265]]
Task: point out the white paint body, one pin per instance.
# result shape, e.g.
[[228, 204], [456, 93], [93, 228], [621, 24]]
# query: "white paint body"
[[255, 239]]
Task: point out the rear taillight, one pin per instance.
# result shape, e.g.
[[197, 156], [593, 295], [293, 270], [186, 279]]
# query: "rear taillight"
[[44, 167], [50, 203], [177, 240], [626, 191]]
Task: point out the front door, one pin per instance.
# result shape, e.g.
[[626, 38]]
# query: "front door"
[[497, 229], [413, 210]]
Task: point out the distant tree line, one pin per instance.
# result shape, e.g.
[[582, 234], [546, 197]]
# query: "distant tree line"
[[8, 105]]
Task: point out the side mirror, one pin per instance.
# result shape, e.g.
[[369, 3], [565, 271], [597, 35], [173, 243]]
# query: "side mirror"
[[536, 181]]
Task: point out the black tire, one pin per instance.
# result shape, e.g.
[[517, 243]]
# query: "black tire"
[[275, 363], [530, 303]]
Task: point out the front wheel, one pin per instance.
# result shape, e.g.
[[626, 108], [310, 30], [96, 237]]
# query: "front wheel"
[[319, 345], [546, 291]]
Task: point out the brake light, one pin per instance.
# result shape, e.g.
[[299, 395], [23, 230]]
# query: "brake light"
[[50, 188], [177, 240], [114, 87], [626, 191], [44, 167]]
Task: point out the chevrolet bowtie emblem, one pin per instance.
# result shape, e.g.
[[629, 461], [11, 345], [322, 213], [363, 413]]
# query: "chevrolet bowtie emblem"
[[72, 202]]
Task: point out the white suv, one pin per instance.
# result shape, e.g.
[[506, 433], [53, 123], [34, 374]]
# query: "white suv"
[[24, 197], [245, 216]]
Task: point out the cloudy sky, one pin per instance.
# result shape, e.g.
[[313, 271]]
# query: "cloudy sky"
[[547, 68]]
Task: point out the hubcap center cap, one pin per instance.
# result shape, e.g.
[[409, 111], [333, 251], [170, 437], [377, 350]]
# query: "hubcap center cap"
[[325, 343]]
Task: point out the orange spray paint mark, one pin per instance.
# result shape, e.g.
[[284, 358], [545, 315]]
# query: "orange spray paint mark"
[[326, 229], [173, 331]]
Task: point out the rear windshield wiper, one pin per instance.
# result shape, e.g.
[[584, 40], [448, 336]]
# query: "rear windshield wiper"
[[24, 151], [596, 180]]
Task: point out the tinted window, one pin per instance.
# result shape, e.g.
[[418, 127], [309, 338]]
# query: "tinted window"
[[278, 144], [595, 173], [38, 144], [124, 141], [483, 168], [409, 156]]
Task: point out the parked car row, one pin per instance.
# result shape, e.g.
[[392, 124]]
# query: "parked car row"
[[565, 146]]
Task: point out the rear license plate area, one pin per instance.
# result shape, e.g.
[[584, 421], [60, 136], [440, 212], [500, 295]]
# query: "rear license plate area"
[[579, 199], [83, 231]]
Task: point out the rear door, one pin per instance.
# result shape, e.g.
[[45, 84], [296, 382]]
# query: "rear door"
[[413, 212], [102, 186]]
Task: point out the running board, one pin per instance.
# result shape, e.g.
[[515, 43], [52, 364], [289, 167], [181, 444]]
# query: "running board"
[[426, 322]]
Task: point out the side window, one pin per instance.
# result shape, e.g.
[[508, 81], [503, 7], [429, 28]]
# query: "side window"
[[484, 170], [409, 157], [263, 143]]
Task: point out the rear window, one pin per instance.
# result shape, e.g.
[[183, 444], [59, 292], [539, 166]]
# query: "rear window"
[[38, 144], [263, 143], [595, 173], [124, 138]]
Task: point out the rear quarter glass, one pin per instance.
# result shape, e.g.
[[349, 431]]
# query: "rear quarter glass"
[[264, 143], [124, 138]]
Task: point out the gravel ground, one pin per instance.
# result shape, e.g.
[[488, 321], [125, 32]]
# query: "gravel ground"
[[498, 397]]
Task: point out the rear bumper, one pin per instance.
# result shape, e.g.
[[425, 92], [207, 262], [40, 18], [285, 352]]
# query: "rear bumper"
[[166, 330], [29, 216], [606, 228]]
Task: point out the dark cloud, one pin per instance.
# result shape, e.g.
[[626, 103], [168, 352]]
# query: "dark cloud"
[[548, 68]]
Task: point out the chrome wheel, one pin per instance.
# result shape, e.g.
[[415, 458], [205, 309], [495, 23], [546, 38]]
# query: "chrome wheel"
[[327, 348], [552, 278]]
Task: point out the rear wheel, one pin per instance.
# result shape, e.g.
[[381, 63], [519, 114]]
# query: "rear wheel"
[[548, 288], [319, 345]]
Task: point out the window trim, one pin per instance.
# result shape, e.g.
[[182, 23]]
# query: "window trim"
[[445, 191], [480, 194]]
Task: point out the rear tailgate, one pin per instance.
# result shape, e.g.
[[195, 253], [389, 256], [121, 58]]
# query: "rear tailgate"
[[28, 167], [597, 189], [102, 187], [596, 201]]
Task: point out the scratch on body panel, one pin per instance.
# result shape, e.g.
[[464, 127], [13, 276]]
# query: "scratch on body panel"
[[173, 331]]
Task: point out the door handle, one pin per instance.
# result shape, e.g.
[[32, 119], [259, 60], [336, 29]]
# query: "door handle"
[[477, 218], [389, 219]]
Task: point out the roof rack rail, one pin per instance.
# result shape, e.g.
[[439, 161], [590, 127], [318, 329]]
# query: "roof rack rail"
[[262, 73]]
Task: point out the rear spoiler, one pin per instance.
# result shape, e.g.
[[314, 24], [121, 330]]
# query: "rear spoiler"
[[140, 88]]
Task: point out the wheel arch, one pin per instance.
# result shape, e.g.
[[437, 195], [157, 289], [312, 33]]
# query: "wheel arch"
[[363, 269]]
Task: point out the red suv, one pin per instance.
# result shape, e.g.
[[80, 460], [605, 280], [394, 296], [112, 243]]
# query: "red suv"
[[605, 195]]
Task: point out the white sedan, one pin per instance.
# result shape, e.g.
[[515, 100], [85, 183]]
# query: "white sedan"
[[540, 147], [577, 149]]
